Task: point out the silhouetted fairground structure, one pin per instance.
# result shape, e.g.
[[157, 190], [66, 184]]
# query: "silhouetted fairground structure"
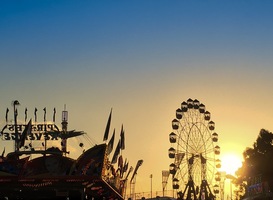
[[194, 153], [39, 166]]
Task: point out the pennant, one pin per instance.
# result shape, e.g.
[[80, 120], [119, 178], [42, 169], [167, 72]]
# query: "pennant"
[[106, 133], [111, 143], [117, 151], [122, 139], [126, 163], [139, 163], [120, 162], [35, 114], [130, 170], [120, 165], [124, 168], [54, 113], [44, 114], [3, 153], [26, 132], [7, 111], [25, 115]]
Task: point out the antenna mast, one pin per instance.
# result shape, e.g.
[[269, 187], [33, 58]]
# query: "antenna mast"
[[64, 130]]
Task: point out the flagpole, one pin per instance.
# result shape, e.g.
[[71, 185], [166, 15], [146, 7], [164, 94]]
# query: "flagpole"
[[7, 111], [16, 147], [25, 115], [151, 176]]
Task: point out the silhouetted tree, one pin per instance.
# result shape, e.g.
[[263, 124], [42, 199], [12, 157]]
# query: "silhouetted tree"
[[258, 162]]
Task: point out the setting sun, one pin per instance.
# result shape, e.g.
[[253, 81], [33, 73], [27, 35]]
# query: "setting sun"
[[230, 163]]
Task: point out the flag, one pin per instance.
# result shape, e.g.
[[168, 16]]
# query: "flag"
[[25, 115], [111, 143], [54, 113], [117, 151], [120, 162], [7, 111], [124, 168], [120, 165], [139, 163], [106, 133], [26, 132], [3, 153], [122, 139], [126, 163], [165, 176], [35, 114], [44, 114]]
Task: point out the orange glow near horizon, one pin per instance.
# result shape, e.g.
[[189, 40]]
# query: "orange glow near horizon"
[[230, 162]]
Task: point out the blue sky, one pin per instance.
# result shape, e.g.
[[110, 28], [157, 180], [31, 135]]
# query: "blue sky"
[[141, 58]]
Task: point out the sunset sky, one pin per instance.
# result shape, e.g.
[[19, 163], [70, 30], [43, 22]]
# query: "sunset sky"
[[142, 59]]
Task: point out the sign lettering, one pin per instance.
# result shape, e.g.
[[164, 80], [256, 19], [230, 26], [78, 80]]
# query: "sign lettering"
[[38, 132]]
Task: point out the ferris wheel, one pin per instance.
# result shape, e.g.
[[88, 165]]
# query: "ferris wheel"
[[194, 152]]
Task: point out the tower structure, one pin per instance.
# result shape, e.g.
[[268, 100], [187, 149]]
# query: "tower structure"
[[64, 130]]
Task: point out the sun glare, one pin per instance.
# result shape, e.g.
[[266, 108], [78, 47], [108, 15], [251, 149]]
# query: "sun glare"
[[230, 163]]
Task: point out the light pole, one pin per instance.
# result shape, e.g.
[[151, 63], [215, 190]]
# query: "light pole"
[[230, 177], [151, 176]]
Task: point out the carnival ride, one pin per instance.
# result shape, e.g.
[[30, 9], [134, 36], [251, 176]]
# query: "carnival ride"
[[133, 179], [47, 172], [194, 153]]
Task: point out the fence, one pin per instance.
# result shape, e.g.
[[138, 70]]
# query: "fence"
[[148, 195]]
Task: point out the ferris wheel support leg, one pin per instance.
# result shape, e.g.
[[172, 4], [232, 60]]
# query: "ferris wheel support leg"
[[189, 191], [205, 192]]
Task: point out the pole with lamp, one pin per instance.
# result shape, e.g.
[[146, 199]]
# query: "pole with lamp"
[[231, 178], [165, 176], [151, 176]]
